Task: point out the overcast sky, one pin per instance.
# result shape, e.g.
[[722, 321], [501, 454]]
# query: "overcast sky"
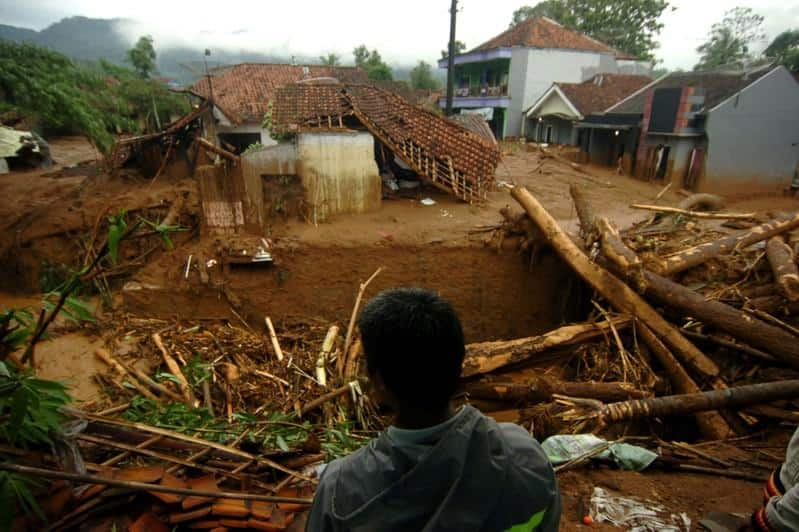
[[403, 32]]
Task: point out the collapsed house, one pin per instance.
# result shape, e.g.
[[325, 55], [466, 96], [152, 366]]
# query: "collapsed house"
[[241, 95], [421, 143]]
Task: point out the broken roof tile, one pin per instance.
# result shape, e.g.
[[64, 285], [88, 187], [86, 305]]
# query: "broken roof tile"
[[243, 92]]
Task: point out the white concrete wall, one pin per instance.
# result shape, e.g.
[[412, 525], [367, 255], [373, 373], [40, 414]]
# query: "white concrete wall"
[[339, 173], [534, 70], [554, 105]]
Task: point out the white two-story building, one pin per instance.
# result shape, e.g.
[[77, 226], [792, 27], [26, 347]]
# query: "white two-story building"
[[503, 77]]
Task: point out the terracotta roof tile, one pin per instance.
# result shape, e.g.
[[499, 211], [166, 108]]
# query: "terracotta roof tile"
[[243, 92], [601, 91], [436, 147], [542, 32]]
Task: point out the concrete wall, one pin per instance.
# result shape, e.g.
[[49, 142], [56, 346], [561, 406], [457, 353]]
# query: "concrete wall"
[[532, 72], [750, 137], [563, 131], [638, 68], [679, 155], [279, 159], [339, 173]]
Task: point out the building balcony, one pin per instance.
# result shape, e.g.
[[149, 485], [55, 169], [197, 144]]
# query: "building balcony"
[[468, 99], [484, 90]]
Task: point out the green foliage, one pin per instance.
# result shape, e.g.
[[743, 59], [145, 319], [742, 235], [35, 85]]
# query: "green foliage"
[[554, 9], [330, 59], [164, 231], [729, 42], [142, 56], [116, 228], [784, 49], [96, 100], [372, 63], [460, 47], [74, 309], [422, 77], [627, 25], [255, 146]]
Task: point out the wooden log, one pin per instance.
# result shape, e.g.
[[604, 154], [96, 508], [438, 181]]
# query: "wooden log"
[[696, 255], [741, 325], [319, 401], [625, 259], [219, 151], [741, 348], [696, 214], [112, 362], [585, 213], [171, 363], [712, 425], [621, 296], [540, 389], [786, 275], [484, 357], [680, 405]]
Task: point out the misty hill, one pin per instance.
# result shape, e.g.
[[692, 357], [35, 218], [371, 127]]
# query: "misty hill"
[[91, 39]]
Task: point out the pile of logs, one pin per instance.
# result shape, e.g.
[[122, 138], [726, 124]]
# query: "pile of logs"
[[667, 307]]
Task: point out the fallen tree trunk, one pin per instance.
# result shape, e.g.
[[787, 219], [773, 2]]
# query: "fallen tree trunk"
[[773, 340], [621, 296], [712, 425], [588, 228], [619, 254], [680, 405], [786, 275], [484, 357], [696, 255], [541, 389]]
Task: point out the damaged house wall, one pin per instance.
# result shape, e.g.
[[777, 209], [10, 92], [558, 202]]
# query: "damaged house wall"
[[339, 173]]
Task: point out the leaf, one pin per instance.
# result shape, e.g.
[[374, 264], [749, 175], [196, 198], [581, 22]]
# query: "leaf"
[[4, 370], [282, 443]]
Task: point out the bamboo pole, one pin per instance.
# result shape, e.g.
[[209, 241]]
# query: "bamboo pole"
[[113, 363], [146, 486], [695, 214], [356, 308], [174, 368], [273, 339], [324, 354], [319, 401]]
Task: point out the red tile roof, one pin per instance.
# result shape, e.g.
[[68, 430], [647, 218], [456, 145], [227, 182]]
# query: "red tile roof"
[[243, 92], [542, 32], [601, 91], [449, 155]]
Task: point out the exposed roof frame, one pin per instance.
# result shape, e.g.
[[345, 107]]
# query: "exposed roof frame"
[[747, 87], [636, 93]]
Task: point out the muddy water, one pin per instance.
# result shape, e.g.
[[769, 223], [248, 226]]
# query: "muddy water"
[[496, 295]]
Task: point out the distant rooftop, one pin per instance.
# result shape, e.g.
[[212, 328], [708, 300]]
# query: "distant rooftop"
[[716, 86], [543, 32]]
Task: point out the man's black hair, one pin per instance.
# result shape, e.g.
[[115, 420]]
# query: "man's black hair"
[[413, 339]]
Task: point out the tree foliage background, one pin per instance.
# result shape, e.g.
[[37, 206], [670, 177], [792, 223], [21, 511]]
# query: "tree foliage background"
[[628, 25], [784, 49], [97, 100], [372, 63], [142, 56], [422, 77], [730, 41]]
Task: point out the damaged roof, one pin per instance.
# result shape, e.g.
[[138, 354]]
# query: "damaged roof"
[[543, 32], [449, 155], [475, 123], [601, 91], [716, 86], [243, 92]]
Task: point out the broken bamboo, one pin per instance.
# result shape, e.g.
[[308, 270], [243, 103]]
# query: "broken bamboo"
[[356, 308], [786, 275], [695, 214], [174, 368], [113, 363], [484, 357], [145, 486], [324, 355], [319, 401], [273, 339], [696, 255], [621, 296]]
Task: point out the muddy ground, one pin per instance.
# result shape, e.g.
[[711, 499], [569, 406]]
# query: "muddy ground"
[[317, 271]]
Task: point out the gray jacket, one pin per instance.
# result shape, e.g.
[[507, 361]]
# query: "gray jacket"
[[479, 475], [783, 512]]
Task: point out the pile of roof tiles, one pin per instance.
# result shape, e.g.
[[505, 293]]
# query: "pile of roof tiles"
[[448, 155]]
